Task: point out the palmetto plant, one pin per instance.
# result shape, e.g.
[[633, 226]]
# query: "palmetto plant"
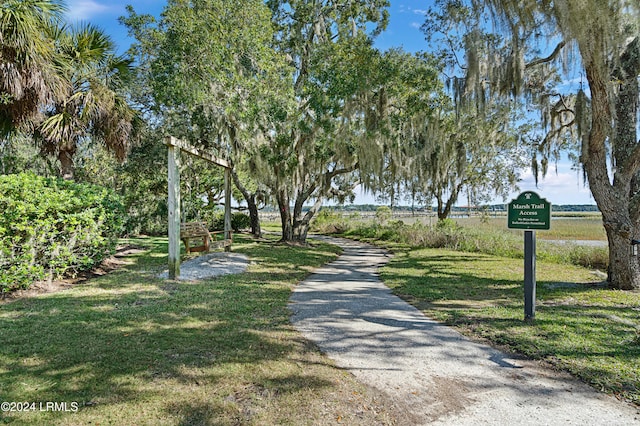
[[93, 105], [29, 73]]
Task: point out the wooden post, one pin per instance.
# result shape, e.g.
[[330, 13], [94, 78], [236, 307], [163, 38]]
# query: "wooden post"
[[529, 275], [174, 208], [227, 207], [174, 147]]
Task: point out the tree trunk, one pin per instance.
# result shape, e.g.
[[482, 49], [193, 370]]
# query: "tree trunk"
[[624, 269], [295, 226], [301, 224], [613, 202], [300, 231], [66, 163], [285, 215], [254, 216], [250, 198], [444, 209], [613, 199]]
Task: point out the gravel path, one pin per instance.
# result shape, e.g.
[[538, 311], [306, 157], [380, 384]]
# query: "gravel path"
[[211, 265], [434, 373]]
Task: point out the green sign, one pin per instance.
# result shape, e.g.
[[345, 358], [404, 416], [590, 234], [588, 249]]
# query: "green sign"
[[529, 211]]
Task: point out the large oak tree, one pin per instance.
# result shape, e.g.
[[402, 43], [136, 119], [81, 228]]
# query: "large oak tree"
[[601, 39], [311, 154]]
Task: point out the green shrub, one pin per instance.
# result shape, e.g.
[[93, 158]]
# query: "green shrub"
[[326, 216], [383, 213], [215, 219], [50, 228], [327, 221], [447, 225], [240, 221]]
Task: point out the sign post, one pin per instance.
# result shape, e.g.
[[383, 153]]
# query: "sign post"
[[529, 275], [529, 212]]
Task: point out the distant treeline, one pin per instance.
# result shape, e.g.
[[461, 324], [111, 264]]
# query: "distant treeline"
[[458, 209]]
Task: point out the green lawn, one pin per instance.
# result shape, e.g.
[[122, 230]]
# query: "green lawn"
[[580, 326], [130, 348]]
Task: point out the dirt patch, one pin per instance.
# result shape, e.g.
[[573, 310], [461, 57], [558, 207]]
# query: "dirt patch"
[[110, 264], [450, 396]]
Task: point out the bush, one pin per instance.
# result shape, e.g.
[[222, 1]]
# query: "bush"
[[447, 225], [50, 228], [327, 221], [214, 219], [240, 221], [383, 213]]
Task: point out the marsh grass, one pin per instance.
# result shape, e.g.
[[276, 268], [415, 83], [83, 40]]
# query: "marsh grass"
[[481, 235], [580, 326], [563, 227], [131, 348]]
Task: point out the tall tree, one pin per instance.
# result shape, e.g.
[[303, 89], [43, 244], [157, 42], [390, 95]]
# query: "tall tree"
[[600, 38], [311, 154], [468, 151], [214, 78], [604, 34], [407, 100], [29, 72], [93, 105]]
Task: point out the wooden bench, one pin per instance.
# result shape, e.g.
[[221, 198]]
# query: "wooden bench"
[[191, 230], [224, 242]]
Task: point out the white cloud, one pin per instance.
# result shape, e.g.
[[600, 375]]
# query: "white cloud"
[[83, 10], [564, 187], [416, 25], [408, 9]]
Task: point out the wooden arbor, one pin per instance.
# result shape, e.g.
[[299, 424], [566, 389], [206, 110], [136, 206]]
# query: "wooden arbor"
[[174, 147]]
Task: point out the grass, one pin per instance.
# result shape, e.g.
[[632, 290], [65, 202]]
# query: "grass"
[[470, 276], [130, 348], [476, 235], [563, 227], [580, 326]]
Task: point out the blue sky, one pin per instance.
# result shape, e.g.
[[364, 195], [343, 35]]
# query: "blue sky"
[[406, 17]]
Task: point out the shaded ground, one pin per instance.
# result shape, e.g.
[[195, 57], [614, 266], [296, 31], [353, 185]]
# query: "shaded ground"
[[108, 265], [434, 373]]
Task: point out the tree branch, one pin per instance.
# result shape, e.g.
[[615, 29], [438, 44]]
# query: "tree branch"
[[453, 52], [549, 58], [330, 175]]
